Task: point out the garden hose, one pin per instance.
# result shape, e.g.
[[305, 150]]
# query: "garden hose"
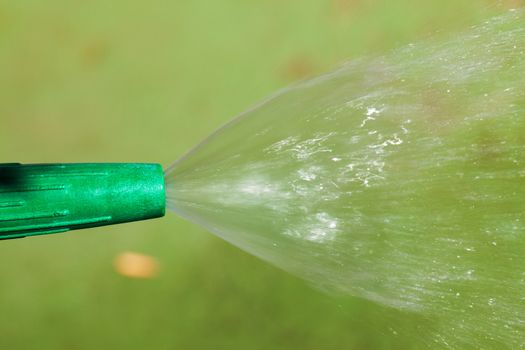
[[41, 199]]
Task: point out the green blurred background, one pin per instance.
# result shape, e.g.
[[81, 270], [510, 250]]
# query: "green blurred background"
[[130, 81]]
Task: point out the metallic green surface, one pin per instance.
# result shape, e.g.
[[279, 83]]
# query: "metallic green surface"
[[50, 198]]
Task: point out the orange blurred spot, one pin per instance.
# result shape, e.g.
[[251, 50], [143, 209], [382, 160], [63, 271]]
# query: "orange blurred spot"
[[511, 3], [346, 6], [135, 265], [298, 67], [94, 53]]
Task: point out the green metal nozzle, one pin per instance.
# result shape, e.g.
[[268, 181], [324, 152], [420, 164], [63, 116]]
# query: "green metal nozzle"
[[50, 198]]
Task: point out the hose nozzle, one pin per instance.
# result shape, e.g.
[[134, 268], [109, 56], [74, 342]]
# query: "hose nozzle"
[[50, 198]]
